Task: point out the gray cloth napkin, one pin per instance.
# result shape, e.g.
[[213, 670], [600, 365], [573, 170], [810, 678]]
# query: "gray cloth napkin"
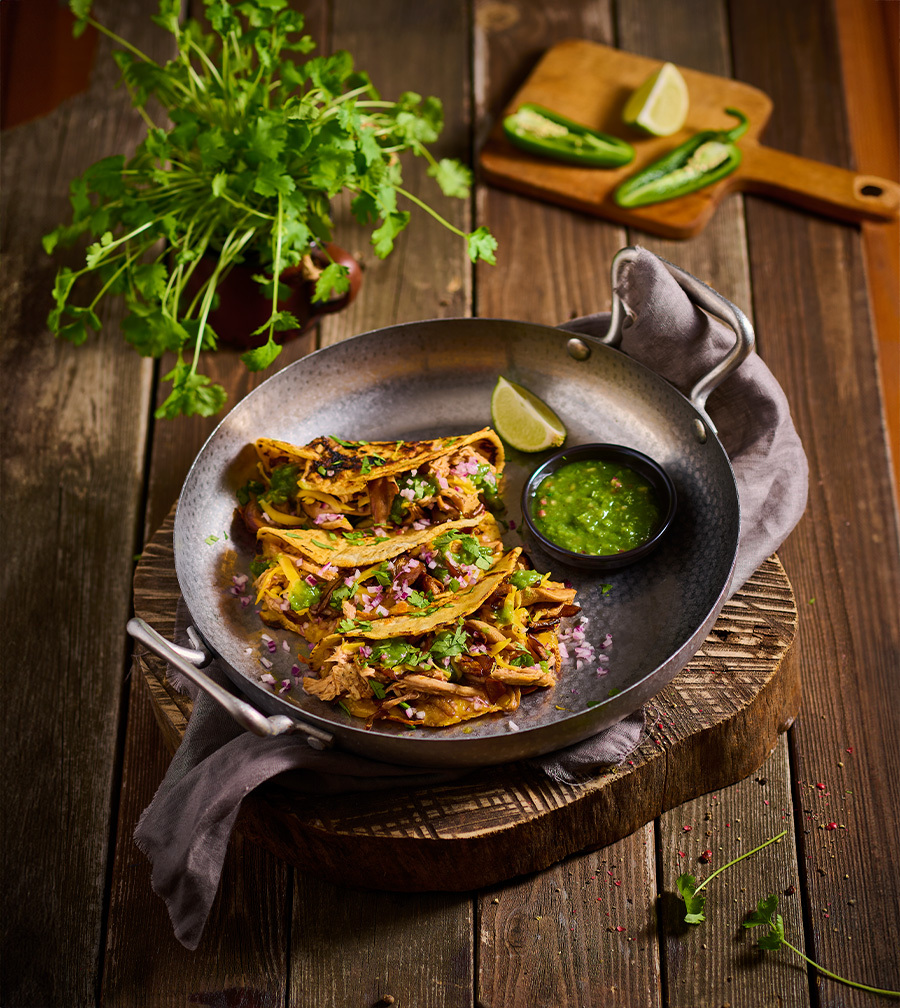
[[186, 828]]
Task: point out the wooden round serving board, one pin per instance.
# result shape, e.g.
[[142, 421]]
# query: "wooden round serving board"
[[713, 725]]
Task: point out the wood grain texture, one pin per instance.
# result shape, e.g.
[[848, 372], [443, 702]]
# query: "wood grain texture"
[[868, 36], [717, 962], [233, 965], [844, 555], [428, 274], [74, 422], [242, 951], [714, 724], [580, 933]]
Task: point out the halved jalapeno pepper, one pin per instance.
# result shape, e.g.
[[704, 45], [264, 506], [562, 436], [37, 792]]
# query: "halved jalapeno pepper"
[[541, 131], [705, 158]]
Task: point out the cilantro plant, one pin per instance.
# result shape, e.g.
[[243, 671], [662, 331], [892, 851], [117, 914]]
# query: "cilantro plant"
[[262, 137]]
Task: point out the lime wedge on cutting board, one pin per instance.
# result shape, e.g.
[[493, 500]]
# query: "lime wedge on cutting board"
[[660, 105], [524, 421]]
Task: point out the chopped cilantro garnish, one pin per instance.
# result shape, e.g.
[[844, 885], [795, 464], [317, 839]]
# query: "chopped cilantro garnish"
[[392, 653], [252, 488], [261, 564], [282, 484], [449, 643], [382, 575], [468, 549], [322, 545], [210, 539], [349, 626]]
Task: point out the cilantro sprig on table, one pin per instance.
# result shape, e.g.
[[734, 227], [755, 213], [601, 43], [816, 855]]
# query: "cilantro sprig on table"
[[765, 915], [261, 139]]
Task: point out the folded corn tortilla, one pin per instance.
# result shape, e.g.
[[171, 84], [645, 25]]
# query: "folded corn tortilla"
[[342, 485]]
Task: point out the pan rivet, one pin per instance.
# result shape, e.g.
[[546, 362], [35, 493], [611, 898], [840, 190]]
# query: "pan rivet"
[[578, 349], [699, 431]]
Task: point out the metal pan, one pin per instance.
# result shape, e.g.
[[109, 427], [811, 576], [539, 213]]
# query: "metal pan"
[[431, 378]]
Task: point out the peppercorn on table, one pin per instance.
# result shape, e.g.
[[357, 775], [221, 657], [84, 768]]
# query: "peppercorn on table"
[[90, 477]]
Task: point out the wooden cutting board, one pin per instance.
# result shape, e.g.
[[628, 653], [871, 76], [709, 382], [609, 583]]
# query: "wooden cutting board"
[[713, 725], [590, 83]]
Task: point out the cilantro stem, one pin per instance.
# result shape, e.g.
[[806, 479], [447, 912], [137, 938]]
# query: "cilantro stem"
[[424, 206], [719, 871], [835, 976]]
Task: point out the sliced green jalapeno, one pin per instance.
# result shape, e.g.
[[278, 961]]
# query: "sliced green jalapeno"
[[705, 158], [540, 131]]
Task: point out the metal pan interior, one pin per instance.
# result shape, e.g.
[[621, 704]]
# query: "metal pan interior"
[[435, 378]]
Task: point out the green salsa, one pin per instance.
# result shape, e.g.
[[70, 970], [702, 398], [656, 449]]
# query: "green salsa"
[[595, 507]]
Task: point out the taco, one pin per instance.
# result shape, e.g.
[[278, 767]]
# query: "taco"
[[357, 485], [468, 654], [311, 581]]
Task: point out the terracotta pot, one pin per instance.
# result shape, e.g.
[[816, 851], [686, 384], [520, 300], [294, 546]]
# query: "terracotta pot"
[[242, 308]]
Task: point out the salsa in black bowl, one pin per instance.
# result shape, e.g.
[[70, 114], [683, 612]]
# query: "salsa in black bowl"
[[601, 506]]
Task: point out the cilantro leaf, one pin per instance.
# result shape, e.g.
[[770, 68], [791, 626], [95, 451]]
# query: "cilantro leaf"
[[482, 245], [333, 281], [694, 904], [191, 393], [454, 178], [259, 358], [384, 235]]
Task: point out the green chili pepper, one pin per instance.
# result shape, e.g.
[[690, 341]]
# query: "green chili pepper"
[[705, 158], [548, 134]]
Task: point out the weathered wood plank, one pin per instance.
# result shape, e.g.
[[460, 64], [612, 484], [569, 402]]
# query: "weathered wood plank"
[[581, 933], [553, 264], [868, 36], [815, 333], [74, 423], [354, 947], [350, 945], [241, 954], [715, 962], [702, 969], [244, 951], [423, 48]]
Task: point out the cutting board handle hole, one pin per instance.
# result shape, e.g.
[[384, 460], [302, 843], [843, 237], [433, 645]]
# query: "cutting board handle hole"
[[871, 190]]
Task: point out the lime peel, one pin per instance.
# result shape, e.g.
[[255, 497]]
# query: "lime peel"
[[523, 420]]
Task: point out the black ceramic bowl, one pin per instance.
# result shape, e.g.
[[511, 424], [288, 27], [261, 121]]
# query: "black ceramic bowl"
[[642, 464]]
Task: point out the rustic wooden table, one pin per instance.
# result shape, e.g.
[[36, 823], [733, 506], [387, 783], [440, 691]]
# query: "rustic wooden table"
[[89, 477]]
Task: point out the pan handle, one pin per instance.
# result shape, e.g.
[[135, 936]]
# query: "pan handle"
[[703, 296], [186, 660]]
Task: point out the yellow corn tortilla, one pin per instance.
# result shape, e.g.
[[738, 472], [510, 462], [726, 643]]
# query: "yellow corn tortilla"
[[455, 605], [324, 547], [349, 466]]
